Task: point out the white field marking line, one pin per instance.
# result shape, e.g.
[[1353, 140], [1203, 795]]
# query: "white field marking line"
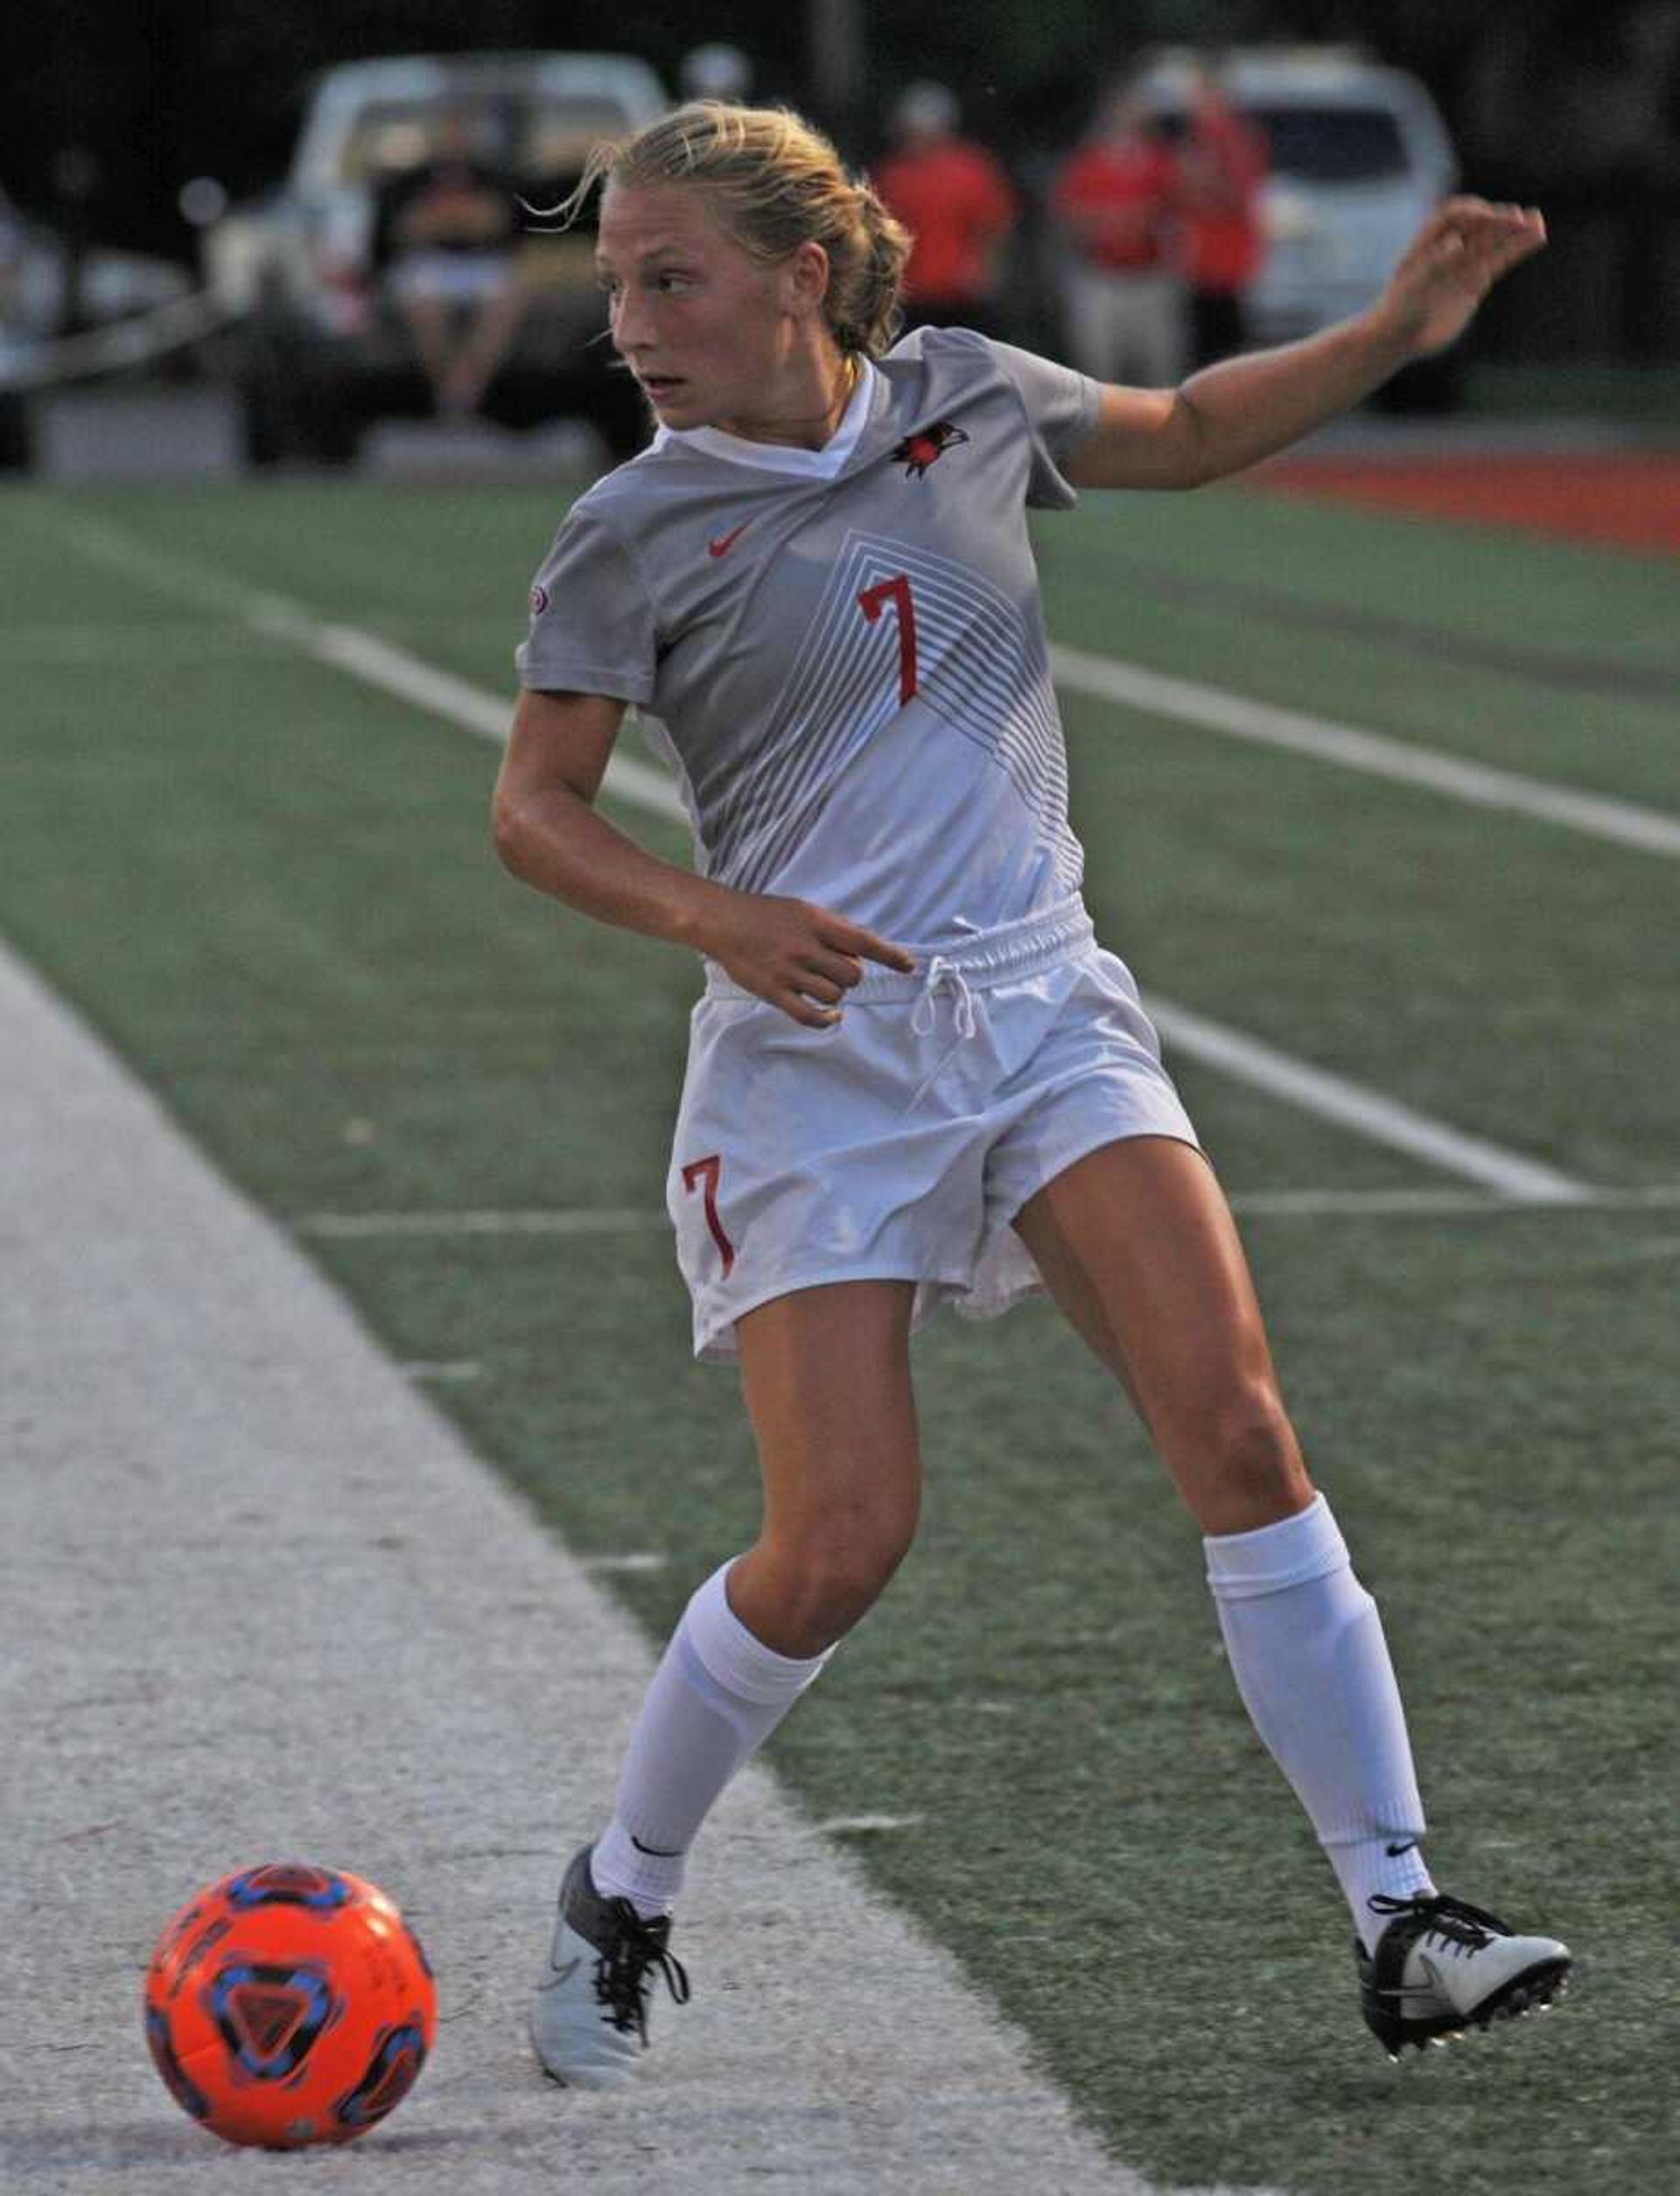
[[1311, 1204], [423, 1601], [383, 664], [853, 1825], [346, 649], [1215, 710], [1351, 1105], [394, 671], [1262, 1204]]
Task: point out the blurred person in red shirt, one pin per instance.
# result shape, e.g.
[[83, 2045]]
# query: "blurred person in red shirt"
[[959, 205], [1114, 200], [1222, 168]]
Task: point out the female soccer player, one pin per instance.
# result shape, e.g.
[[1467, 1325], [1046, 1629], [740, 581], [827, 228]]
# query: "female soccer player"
[[913, 1075]]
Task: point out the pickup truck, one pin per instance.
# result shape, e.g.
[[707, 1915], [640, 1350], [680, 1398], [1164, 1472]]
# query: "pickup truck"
[[321, 349]]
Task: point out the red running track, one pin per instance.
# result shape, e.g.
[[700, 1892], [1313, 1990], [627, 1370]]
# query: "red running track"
[[1626, 500]]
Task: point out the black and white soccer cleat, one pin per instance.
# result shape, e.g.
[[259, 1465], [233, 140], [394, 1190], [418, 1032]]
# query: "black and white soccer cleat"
[[1442, 1966], [589, 2016]]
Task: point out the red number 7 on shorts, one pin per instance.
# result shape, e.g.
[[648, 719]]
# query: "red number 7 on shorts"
[[706, 1171]]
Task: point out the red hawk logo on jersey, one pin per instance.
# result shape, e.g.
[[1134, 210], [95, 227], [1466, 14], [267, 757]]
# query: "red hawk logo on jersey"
[[926, 447]]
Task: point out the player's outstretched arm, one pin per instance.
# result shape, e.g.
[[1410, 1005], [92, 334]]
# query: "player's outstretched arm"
[[1247, 408], [800, 958]]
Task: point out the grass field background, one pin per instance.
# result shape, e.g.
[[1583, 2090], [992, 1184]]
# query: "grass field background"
[[272, 889]]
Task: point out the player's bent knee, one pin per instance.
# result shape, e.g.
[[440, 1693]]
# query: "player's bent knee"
[[826, 1586], [1246, 1469]]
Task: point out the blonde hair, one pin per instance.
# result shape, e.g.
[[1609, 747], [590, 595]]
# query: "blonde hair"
[[777, 182]]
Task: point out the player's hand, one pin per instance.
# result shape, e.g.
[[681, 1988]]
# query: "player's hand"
[[799, 958], [1454, 260]]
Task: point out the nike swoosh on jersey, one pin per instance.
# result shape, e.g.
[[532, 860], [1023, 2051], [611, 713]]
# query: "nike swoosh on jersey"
[[560, 1975], [721, 544]]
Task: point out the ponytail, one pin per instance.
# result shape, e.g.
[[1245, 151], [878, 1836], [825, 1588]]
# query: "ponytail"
[[777, 182]]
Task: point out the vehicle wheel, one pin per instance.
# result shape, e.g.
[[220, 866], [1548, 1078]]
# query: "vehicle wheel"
[[332, 425], [291, 415], [14, 430], [264, 422]]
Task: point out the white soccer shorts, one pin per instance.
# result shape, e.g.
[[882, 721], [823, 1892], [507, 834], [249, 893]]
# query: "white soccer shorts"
[[899, 1143]]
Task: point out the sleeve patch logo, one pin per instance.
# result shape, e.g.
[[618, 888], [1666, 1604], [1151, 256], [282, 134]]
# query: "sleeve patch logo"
[[926, 447], [539, 600]]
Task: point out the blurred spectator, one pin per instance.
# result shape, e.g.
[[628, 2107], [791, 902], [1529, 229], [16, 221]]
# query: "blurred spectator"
[[959, 205], [1113, 202], [716, 71], [449, 229], [1223, 167]]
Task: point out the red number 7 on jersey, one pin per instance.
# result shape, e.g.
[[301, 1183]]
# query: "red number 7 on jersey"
[[707, 1171], [872, 601]]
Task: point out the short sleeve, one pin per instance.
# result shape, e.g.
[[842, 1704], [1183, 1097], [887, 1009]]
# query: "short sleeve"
[[1060, 407], [591, 629]]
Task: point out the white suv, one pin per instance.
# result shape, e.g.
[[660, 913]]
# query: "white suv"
[[1360, 155]]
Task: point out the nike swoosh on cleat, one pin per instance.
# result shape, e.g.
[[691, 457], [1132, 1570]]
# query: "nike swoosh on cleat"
[[657, 1852], [720, 545]]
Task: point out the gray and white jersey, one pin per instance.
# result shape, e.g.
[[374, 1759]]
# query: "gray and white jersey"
[[845, 648]]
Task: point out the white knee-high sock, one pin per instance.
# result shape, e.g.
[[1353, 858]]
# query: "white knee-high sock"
[[1307, 1647], [717, 1696]]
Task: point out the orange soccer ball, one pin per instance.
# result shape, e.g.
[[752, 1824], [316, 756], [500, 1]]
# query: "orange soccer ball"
[[289, 2004]]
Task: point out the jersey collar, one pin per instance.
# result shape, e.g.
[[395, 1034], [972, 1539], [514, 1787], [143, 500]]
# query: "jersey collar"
[[784, 458]]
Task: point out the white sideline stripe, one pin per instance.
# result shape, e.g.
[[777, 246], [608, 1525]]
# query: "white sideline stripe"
[[261, 1600], [394, 671], [361, 656], [867, 1825], [1215, 710], [1307, 1204], [1351, 1106], [365, 656]]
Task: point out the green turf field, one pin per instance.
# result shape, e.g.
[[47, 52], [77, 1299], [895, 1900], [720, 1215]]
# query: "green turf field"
[[272, 888]]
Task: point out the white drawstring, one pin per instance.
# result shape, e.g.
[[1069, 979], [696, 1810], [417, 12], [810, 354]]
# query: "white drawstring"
[[942, 975]]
